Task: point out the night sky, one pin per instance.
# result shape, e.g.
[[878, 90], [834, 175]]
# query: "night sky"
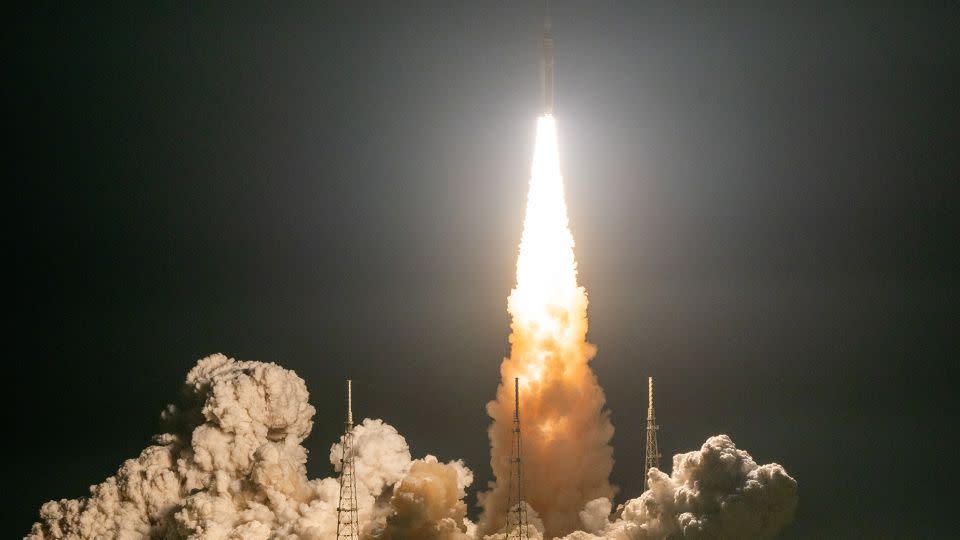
[[759, 195]]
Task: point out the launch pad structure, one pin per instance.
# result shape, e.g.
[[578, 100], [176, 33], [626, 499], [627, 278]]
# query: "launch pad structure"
[[348, 523], [652, 457], [516, 507]]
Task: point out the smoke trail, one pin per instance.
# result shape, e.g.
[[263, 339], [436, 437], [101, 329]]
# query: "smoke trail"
[[230, 466], [567, 456]]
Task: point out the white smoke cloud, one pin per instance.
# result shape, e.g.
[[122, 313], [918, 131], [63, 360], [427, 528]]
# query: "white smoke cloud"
[[534, 527], [381, 455], [231, 466], [595, 515], [716, 492], [428, 503]]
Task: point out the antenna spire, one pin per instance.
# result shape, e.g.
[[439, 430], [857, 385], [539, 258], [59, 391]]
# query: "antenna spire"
[[516, 400], [649, 398], [349, 402]]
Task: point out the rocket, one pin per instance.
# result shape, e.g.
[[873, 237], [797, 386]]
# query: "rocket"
[[547, 66]]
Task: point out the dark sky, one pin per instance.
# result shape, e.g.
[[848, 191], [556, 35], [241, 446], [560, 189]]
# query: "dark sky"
[[760, 195]]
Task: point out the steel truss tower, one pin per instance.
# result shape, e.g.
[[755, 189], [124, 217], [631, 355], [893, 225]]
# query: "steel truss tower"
[[652, 458], [516, 508], [348, 525]]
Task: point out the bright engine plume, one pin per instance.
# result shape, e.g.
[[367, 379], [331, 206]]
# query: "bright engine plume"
[[567, 457]]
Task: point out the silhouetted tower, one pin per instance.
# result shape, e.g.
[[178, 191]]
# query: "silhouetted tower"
[[516, 509], [348, 525], [652, 458]]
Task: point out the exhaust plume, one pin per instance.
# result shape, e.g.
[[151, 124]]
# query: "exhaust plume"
[[567, 458], [230, 465]]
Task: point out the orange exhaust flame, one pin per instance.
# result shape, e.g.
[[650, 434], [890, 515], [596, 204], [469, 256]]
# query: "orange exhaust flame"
[[567, 457]]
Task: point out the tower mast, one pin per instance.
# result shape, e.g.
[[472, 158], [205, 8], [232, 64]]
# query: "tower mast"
[[516, 507], [652, 458], [348, 525]]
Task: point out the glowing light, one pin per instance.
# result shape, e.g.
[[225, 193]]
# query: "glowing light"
[[552, 428], [547, 296], [546, 268]]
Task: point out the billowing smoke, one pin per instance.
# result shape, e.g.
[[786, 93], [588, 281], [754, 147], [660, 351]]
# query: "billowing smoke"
[[231, 466], [716, 492], [567, 458], [534, 528], [428, 503]]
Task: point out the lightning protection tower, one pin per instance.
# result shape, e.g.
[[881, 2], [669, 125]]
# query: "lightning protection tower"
[[516, 508], [348, 525], [652, 458]]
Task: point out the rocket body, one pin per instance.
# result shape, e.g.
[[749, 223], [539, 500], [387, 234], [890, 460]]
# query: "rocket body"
[[548, 71]]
